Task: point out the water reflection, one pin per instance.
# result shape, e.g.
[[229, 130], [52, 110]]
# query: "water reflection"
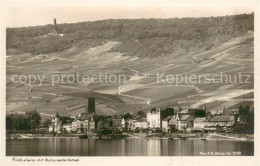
[[122, 147]]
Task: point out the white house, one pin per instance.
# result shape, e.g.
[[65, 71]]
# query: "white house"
[[174, 121], [123, 123], [67, 127], [84, 122], [165, 123], [185, 121], [199, 123], [80, 125], [153, 118], [220, 121], [91, 124], [139, 124]]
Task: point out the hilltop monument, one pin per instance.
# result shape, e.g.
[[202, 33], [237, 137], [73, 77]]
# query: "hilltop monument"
[[55, 25]]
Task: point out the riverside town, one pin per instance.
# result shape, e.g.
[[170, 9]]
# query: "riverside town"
[[170, 123]]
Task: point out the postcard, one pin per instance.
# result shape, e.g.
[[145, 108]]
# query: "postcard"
[[130, 83]]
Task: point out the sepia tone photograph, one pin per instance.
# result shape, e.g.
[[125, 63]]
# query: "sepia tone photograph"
[[95, 80]]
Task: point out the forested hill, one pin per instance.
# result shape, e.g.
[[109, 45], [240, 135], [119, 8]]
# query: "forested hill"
[[139, 37]]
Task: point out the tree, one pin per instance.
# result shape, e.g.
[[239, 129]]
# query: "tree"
[[153, 109], [105, 132], [167, 112], [250, 120], [46, 122], [65, 119], [173, 128], [200, 113], [141, 113], [34, 119], [244, 112], [246, 124], [162, 33], [21, 122], [9, 123], [197, 112], [127, 116]]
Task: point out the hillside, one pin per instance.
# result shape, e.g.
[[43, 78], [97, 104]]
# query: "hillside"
[[170, 46], [139, 37]]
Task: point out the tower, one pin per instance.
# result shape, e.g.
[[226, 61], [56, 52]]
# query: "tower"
[[55, 25], [56, 123], [91, 106], [91, 124], [57, 118], [204, 106]]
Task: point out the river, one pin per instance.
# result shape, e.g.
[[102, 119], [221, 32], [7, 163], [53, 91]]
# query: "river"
[[125, 147]]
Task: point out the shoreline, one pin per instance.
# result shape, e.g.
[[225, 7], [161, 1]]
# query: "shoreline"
[[154, 136]]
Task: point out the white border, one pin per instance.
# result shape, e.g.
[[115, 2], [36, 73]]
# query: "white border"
[[152, 161]]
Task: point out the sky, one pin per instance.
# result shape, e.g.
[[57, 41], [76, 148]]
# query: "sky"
[[33, 14]]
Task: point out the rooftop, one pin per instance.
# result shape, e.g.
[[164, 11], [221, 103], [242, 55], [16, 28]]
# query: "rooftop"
[[219, 119], [167, 118], [184, 117], [154, 111], [199, 119], [67, 124], [187, 117], [84, 116], [181, 114], [57, 115]]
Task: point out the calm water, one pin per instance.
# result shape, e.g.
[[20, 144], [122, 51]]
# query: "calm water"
[[122, 147]]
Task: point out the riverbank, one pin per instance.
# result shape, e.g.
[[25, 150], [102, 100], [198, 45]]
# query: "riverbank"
[[67, 135], [180, 136], [48, 135], [193, 136]]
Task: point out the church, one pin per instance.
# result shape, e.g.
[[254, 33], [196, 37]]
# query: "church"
[[56, 124]]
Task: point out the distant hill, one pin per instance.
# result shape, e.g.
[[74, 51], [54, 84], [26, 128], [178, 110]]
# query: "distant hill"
[[140, 37]]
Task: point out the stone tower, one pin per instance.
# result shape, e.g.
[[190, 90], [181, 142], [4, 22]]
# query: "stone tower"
[[55, 25], [91, 106]]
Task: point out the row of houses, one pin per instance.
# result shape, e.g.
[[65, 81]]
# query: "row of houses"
[[184, 122], [166, 120], [81, 124]]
